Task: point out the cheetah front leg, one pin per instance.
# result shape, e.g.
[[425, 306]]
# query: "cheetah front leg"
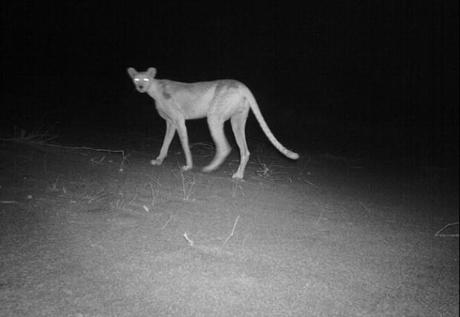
[[169, 134], [183, 136]]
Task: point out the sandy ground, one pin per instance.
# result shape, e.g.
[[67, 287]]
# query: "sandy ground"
[[324, 236]]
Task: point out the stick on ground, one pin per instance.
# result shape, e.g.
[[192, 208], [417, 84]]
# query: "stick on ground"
[[233, 230]]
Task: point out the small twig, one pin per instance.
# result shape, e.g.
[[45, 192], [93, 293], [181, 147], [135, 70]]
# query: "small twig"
[[233, 231], [319, 216], [9, 202], [264, 170], [99, 195], [122, 152], [169, 219], [187, 187], [439, 234], [35, 138], [99, 161], [310, 183], [190, 241], [134, 198]]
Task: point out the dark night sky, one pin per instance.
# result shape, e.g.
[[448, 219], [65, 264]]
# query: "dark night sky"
[[375, 65]]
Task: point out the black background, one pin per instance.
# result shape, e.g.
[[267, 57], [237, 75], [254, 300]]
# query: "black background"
[[376, 77]]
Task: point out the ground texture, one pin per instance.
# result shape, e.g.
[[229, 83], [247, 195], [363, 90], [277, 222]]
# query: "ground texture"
[[323, 236]]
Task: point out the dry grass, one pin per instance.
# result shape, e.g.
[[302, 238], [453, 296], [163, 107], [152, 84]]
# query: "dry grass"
[[150, 242]]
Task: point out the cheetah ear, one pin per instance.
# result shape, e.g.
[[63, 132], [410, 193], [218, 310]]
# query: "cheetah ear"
[[132, 72], [152, 72]]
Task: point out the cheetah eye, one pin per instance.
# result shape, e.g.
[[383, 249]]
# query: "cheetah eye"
[[146, 79], [136, 79]]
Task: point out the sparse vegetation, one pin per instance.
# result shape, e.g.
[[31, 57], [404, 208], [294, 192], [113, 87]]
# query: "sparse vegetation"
[[155, 241]]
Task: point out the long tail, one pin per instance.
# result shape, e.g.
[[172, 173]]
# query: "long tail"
[[263, 124]]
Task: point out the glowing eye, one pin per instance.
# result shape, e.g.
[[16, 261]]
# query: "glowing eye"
[[146, 79], [136, 79]]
